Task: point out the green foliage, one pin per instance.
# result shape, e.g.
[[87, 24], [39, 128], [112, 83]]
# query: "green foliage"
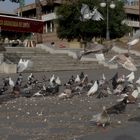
[[70, 27]]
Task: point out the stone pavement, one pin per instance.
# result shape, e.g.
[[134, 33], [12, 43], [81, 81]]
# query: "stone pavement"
[[128, 132], [52, 119]]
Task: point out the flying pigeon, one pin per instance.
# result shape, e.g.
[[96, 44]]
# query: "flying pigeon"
[[96, 49], [135, 39], [87, 14], [125, 61], [23, 65]]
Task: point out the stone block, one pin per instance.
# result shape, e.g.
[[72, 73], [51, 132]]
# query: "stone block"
[[8, 68]]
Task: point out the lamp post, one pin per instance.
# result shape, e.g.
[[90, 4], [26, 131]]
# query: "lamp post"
[[139, 14], [38, 16], [107, 4]]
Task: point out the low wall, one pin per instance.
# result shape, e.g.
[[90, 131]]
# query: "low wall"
[[8, 68], [75, 44]]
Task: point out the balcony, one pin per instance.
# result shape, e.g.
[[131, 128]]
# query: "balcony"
[[49, 17], [132, 23], [132, 7]]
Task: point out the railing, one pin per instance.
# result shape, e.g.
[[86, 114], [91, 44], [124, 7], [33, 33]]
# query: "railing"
[[132, 23], [132, 3], [48, 17]]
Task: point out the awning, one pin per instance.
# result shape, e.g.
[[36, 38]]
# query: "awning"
[[19, 24]]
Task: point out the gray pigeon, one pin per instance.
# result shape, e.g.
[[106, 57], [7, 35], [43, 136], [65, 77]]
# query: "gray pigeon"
[[88, 14]]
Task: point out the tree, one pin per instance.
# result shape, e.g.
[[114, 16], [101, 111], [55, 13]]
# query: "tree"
[[70, 27]]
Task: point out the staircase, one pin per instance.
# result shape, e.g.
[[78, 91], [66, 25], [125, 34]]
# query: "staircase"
[[44, 61]]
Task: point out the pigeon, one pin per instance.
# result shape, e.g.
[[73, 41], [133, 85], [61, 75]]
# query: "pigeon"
[[11, 82], [132, 97], [93, 89], [94, 48], [87, 14], [58, 81], [23, 65], [66, 94], [77, 79], [124, 60], [38, 94], [138, 81], [30, 77], [134, 40], [118, 108], [102, 119], [81, 75], [114, 80], [52, 79], [130, 77]]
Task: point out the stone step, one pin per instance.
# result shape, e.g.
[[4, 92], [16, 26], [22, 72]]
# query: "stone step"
[[62, 68], [44, 61], [23, 50]]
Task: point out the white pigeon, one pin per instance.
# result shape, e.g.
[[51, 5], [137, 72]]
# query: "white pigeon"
[[130, 77], [93, 89], [62, 95], [44, 87], [103, 77], [23, 65], [138, 81], [38, 94], [58, 81], [135, 93], [11, 82], [52, 78], [77, 79], [30, 76]]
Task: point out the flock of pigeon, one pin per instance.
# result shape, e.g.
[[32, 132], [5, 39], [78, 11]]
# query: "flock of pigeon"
[[124, 87]]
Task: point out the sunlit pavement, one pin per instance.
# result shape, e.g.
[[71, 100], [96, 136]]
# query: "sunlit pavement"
[[52, 119]]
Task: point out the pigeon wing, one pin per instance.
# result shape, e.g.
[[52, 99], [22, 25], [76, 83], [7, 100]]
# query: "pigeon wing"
[[85, 9], [21, 67], [85, 12], [129, 65], [97, 15]]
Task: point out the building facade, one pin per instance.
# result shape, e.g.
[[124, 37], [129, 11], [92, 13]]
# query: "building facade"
[[132, 10], [131, 7]]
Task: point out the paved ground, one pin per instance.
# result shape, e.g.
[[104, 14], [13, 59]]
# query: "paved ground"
[[52, 119]]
